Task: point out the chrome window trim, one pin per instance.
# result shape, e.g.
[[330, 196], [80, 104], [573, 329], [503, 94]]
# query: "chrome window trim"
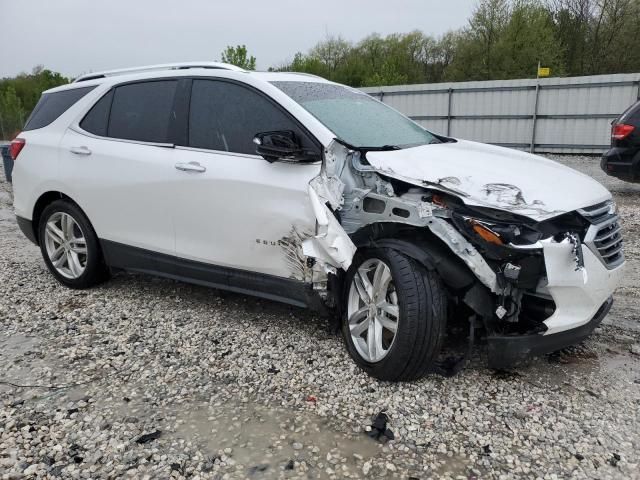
[[218, 152], [76, 128], [237, 154]]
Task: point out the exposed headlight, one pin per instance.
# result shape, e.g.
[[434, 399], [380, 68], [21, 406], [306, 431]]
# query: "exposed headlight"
[[502, 233]]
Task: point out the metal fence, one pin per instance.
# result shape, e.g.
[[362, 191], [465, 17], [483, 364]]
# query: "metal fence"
[[551, 115]]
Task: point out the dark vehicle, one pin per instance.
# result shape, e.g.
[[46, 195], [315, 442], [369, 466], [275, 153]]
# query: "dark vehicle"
[[622, 160]]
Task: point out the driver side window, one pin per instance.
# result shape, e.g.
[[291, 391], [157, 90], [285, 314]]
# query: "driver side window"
[[226, 116]]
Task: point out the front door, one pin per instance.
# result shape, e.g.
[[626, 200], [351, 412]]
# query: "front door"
[[231, 207]]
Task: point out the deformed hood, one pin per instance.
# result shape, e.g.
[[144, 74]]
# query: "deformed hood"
[[491, 176]]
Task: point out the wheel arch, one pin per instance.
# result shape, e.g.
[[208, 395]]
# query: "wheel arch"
[[43, 201], [420, 245], [433, 254]]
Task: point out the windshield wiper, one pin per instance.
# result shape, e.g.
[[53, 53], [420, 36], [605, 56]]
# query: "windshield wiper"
[[383, 148]]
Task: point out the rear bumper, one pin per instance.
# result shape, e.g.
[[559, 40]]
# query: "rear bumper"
[[26, 226], [508, 351], [622, 163]]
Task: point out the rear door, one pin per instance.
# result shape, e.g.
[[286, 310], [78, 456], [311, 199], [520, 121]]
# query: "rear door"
[[119, 161], [231, 207]]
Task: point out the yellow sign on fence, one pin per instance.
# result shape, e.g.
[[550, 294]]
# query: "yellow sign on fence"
[[544, 71]]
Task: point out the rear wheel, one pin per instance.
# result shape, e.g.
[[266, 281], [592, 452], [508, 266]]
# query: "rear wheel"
[[395, 315], [70, 247]]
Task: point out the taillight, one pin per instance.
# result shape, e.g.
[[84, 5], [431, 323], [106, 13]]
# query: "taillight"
[[16, 146], [620, 131]]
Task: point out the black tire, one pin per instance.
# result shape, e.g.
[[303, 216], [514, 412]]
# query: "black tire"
[[95, 271], [422, 307]]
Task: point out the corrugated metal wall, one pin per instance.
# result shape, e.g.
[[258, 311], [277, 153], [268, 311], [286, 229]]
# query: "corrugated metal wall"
[[561, 115]]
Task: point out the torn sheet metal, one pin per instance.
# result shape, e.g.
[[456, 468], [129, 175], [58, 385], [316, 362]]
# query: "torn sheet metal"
[[331, 245], [329, 189], [577, 296], [490, 176], [328, 185], [291, 246], [467, 252]]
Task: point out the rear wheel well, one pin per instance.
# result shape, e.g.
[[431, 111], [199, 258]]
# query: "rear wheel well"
[[46, 199]]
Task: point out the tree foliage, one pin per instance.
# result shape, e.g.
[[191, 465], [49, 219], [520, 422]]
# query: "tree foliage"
[[19, 95], [239, 57], [503, 39]]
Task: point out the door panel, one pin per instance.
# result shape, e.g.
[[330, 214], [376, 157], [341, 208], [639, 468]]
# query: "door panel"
[[233, 208], [243, 212], [123, 188]]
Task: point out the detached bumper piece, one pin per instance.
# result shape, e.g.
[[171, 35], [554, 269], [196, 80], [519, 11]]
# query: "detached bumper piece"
[[511, 350]]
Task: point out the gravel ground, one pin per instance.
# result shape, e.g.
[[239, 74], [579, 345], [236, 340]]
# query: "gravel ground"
[[148, 378]]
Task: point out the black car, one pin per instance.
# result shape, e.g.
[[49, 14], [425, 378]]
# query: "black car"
[[622, 160]]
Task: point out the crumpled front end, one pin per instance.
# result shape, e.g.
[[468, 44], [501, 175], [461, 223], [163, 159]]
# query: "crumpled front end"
[[581, 272], [535, 280], [555, 290]]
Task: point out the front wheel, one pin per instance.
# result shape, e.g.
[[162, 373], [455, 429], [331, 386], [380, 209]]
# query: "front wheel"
[[395, 315]]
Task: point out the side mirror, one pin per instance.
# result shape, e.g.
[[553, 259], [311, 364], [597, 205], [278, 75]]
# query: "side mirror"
[[280, 145]]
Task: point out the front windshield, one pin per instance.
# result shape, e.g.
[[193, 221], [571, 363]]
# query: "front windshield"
[[355, 117]]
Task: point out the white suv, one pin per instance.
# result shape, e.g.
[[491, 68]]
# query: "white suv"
[[300, 190]]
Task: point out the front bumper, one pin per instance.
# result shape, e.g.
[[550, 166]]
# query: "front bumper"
[[508, 351], [582, 298], [578, 293]]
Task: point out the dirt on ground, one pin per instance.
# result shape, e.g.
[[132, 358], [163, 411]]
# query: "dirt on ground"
[[150, 378]]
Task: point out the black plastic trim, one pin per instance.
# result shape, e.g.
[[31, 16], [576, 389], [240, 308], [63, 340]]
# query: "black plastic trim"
[[432, 256], [26, 226], [622, 163], [271, 287], [511, 350]]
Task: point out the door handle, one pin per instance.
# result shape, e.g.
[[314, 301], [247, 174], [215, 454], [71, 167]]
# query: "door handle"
[[80, 150], [190, 167]]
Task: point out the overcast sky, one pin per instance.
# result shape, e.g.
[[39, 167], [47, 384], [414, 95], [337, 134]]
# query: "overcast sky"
[[78, 36]]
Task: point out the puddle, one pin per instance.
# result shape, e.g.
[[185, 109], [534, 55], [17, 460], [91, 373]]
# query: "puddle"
[[581, 366], [20, 359], [455, 466], [264, 441], [261, 436]]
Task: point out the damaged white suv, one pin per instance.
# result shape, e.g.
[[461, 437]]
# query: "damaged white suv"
[[300, 190]]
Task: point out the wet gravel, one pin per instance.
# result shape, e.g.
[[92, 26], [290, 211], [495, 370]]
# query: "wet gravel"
[[149, 378]]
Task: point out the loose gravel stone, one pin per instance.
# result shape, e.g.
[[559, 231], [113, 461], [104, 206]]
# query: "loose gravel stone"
[[227, 380]]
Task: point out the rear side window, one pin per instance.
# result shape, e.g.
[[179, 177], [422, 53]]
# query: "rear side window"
[[97, 120], [225, 116], [52, 105], [142, 111]]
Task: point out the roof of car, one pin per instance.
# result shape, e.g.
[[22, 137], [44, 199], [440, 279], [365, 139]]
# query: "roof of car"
[[179, 69]]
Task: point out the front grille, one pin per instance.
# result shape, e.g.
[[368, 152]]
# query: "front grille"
[[604, 235], [597, 213]]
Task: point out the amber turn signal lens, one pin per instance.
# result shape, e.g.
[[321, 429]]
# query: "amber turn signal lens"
[[486, 234]]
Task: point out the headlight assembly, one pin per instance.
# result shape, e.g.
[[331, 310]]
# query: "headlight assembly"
[[498, 233]]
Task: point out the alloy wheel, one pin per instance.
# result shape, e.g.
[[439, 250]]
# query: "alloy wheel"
[[372, 310], [66, 245]]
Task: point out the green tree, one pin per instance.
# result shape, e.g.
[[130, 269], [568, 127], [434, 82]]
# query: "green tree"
[[20, 94], [12, 113], [528, 37], [238, 56]]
